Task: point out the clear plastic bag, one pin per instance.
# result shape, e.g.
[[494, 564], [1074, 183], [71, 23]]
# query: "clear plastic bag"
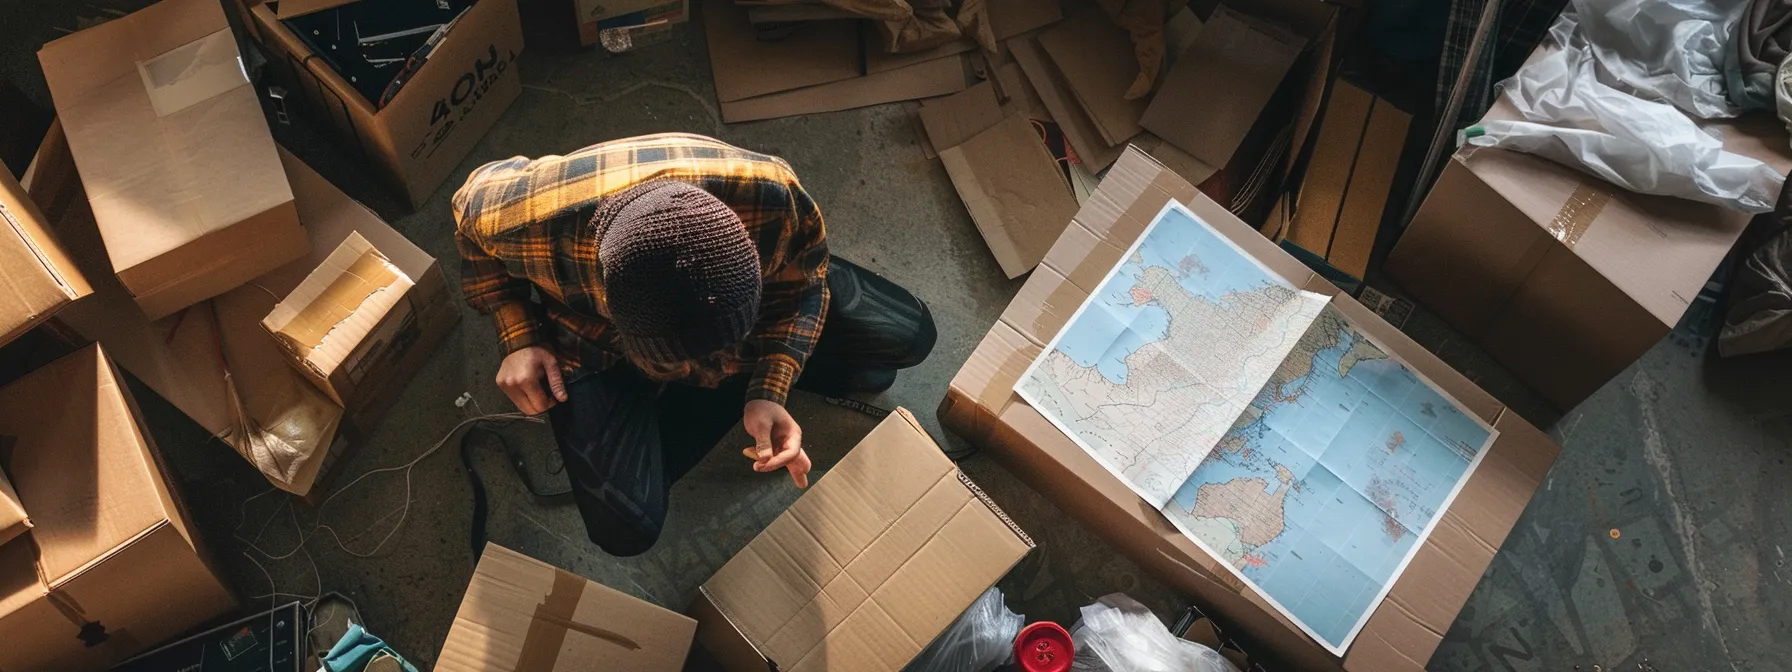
[[981, 639], [1668, 50], [1117, 634]]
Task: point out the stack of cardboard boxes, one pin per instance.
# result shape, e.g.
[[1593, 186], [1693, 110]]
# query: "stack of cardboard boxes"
[[160, 226]]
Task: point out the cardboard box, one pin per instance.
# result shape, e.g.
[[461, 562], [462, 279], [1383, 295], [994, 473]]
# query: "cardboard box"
[[36, 276], [522, 614], [421, 135], [981, 405], [13, 520], [340, 314], [1096, 60], [1561, 277], [866, 568], [179, 358], [1345, 191], [642, 21], [169, 138], [113, 565]]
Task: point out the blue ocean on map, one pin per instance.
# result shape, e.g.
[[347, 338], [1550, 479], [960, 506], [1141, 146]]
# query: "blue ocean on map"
[[1372, 453], [1115, 325]]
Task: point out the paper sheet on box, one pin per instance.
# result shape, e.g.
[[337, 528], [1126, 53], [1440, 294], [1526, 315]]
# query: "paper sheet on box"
[[1278, 436]]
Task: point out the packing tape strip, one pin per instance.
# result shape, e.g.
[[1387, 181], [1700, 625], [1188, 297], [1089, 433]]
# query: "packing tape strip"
[[551, 621], [1583, 206]]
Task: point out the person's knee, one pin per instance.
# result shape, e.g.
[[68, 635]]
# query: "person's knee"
[[921, 342], [622, 541]]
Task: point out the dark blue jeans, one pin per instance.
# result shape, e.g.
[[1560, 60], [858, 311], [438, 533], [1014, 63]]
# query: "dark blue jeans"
[[626, 439]]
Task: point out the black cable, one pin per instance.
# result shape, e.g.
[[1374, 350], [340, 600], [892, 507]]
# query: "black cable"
[[481, 508]]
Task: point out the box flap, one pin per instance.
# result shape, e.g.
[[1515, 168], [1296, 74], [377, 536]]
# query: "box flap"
[[523, 614], [1097, 61], [1217, 89], [80, 461], [13, 521], [292, 9], [951, 120], [745, 67], [872, 562], [344, 299], [168, 136], [36, 276], [1094, 150], [926, 79], [1328, 171], [1014, 190], [1371, 180]]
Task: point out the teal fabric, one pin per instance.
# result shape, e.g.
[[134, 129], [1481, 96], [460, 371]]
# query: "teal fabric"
[[357, 648]]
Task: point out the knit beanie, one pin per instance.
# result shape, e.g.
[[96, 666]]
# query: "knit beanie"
[[681, 275]]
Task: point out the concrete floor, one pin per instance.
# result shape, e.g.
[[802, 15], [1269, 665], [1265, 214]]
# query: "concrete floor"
[[1656, 543]]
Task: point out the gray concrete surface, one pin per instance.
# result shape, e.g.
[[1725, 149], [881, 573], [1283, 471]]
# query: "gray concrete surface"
[[1657, 542]]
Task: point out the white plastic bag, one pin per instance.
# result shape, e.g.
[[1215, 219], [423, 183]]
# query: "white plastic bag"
[[981, 639], [1668, 50], [1118, 634], [1571, 117]]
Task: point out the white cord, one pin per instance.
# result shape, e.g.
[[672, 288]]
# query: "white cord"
[[305, 536]]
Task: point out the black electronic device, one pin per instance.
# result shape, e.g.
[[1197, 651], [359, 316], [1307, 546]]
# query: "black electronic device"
[[272, 641]]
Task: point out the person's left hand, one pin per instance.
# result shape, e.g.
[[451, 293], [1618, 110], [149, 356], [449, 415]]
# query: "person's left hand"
[[779, 441]]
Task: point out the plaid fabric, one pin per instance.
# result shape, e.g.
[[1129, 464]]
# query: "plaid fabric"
[[1518, 28], [523, 229]]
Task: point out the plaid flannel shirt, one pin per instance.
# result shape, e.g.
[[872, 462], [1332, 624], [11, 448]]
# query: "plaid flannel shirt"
[[523, 228]]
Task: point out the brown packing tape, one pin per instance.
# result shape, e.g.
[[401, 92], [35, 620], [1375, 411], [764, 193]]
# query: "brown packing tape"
[[551, 621], [369, 273], [995, 397], [1583, 206]]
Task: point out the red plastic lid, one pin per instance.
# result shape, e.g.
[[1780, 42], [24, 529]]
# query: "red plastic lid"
[[1044, 647]]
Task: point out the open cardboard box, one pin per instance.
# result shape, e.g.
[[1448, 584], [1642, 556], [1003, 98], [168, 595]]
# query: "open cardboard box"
[[421, 135], [168, 137], [1561, 277], [179, 356], [112, 565], [981, 405], [37, 278], [866, 568]]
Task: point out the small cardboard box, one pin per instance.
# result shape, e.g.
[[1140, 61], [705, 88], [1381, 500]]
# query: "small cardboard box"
[[866, 568], [524, 615], [642, 21], [981, 405], [421, 135], [1345, 190], [36, 276], [178, 356], [112, 565], [169, 138], [343, 312], [1561, 277]]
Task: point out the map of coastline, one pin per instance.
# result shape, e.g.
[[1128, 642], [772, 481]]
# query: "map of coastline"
[[1260, 420]]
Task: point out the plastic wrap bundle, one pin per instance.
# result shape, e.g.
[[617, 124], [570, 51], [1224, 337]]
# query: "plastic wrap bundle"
[[1117, 634], [981, 639]]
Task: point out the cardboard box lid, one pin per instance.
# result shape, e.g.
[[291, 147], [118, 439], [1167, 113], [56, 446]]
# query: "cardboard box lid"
[[1014, 189], [870, 564], [83, 466], [339, 303], [523, 614], [1217, 89], [36, 275], [1097, 61], [165, 128]]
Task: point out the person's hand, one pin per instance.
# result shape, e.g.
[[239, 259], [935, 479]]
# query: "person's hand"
[[520, 377], [778, 439]]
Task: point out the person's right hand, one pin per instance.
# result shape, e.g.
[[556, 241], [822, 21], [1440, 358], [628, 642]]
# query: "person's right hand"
[[520, 377]]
